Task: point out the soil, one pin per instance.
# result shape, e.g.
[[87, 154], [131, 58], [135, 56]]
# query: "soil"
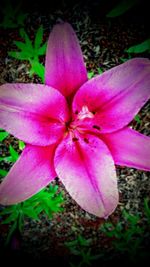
[[103, 42]]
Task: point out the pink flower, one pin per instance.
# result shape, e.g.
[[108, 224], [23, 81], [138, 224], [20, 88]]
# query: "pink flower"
[[75, 129]]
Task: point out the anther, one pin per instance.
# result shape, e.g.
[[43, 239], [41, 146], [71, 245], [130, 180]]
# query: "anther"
[[74, 139], [96, 127], [86, 140]]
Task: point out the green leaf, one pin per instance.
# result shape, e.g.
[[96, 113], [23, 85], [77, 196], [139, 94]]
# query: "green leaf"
[[38, 37], [27, 40], [11, 218], [3, 135], [147, 208], [21, 18], [42, 202], [20, 45], [122, 7], [123, 59], [133, 219], [28, 52], [38, 209], [30, 212], [38, 69], [139, 48], [52, 189], [83, 241], [14, 154], [90, 74], [42, 50], [100, 71], [13, 17], [19, 55], [31, 72], [21, 145], [7, 210], [21, 221], [25, 47], [72, 243], [22, 33], [3, 173], [11, 231], [137, 119], [7, 159]]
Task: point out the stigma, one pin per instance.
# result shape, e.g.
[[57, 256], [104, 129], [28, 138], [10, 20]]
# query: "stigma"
[[85, 113]]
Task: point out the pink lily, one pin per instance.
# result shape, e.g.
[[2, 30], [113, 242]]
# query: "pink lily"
[[75, 129]]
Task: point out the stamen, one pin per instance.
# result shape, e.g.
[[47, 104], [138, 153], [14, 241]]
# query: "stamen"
[[74, 139], [96, 127], [86, 140]]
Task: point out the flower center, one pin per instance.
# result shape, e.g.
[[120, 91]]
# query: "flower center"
[[76, 123]]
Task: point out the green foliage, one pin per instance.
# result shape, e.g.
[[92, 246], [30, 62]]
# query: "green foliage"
[[137, 119], [91, 74], [128, 234], [80, 248], [31, 51], [147, 209], [47, 201], [38, 68], [13, 17], [139, 48], [122, 7], [125, 59], [3, 173], [21, 145], [3, 135], [100, 71], [13, 154], [12, 157]]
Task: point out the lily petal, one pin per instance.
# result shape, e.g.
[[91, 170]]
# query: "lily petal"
[[115, 96], [33, 171], [65, 69], [34, 113], [86, 168], [129, 148]]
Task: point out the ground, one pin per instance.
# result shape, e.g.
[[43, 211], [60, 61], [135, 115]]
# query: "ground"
[[103, 42]]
